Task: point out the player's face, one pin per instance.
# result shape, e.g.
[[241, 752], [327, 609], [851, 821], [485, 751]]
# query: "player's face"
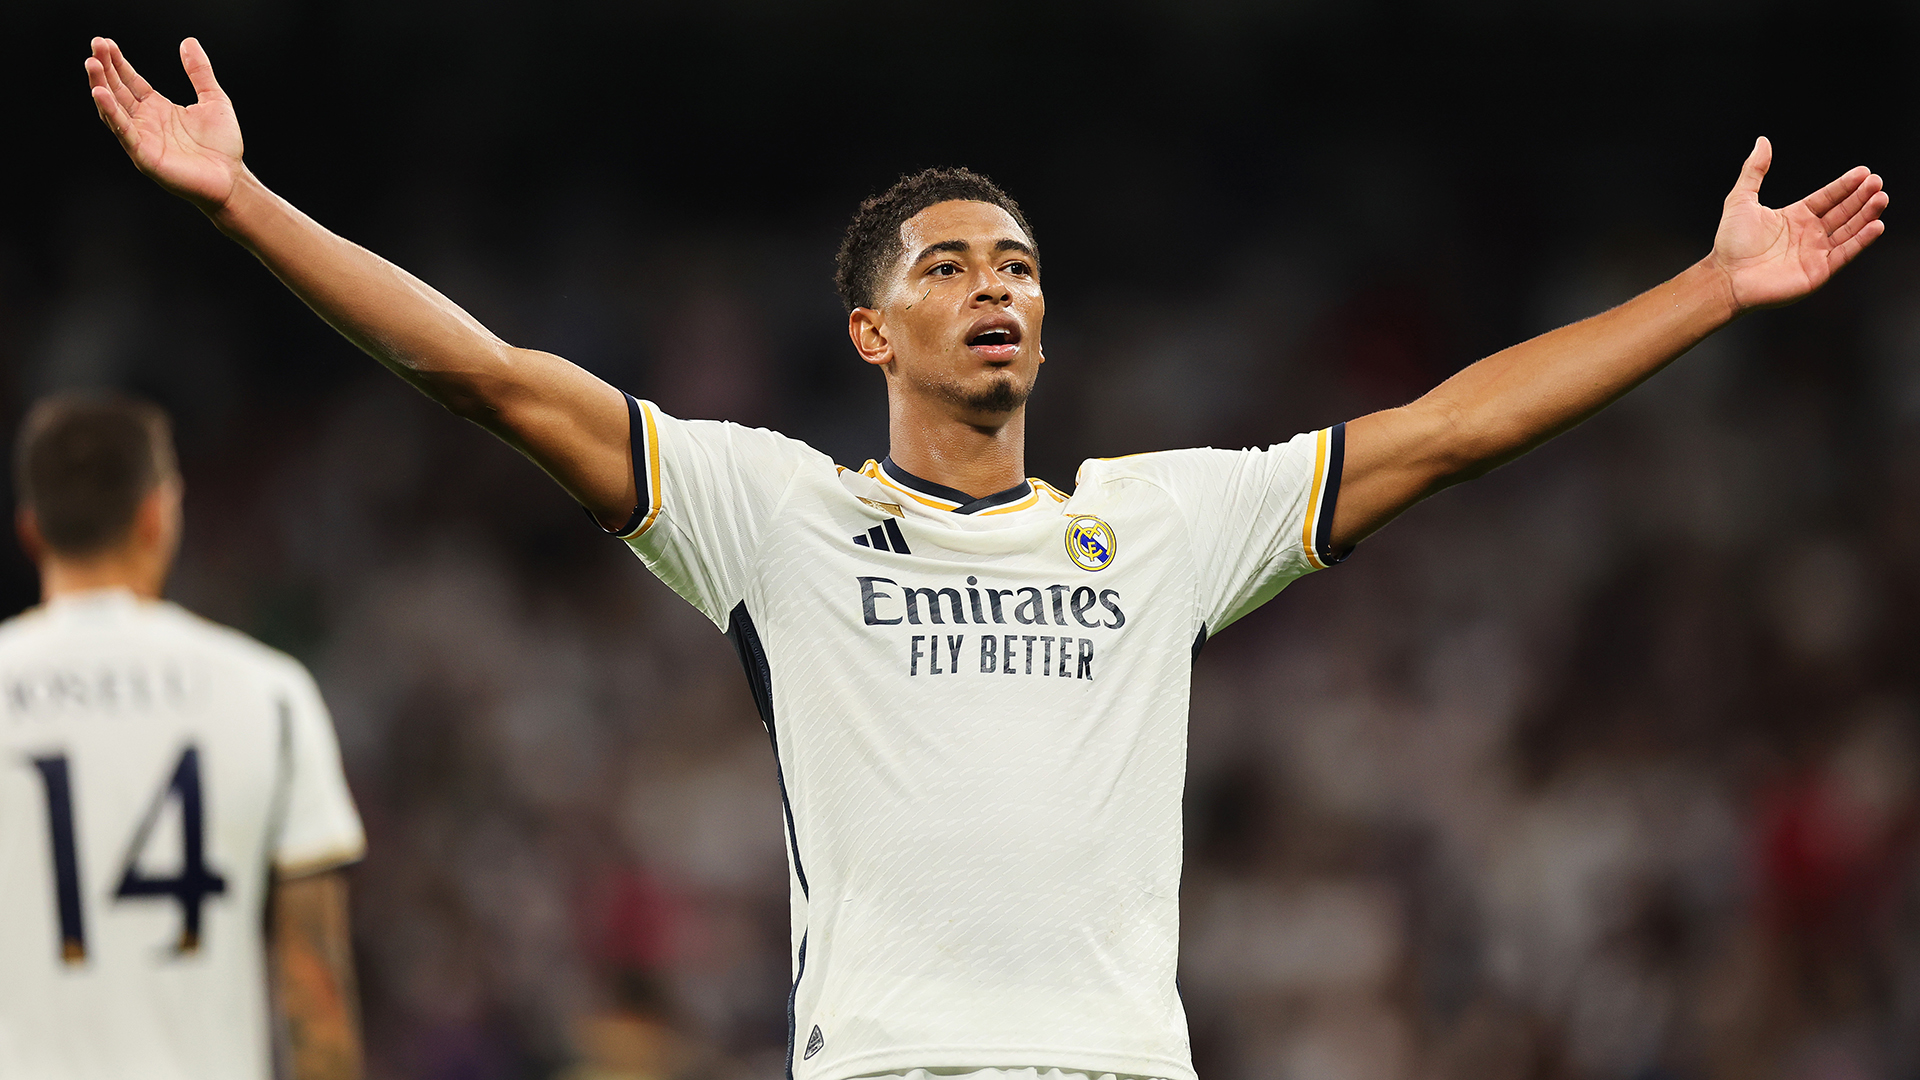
[[960, 319]]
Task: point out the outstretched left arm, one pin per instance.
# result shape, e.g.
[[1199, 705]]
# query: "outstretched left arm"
[[1518, 398]]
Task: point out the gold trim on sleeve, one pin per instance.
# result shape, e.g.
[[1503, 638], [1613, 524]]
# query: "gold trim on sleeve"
[[653, 473], [1313, 498]]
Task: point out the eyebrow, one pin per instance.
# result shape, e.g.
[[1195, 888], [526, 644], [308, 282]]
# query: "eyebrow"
[[963, 246]]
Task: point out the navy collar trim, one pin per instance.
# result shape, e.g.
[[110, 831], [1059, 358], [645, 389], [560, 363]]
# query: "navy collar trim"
[[968, 504]]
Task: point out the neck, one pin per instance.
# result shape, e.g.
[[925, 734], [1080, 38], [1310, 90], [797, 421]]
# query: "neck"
[[137, 572], [980, 459]]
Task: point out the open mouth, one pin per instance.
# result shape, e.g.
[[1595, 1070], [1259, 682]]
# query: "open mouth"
[[998, 341]]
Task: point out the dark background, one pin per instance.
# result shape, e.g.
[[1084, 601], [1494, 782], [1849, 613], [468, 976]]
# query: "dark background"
[[1603, 766]]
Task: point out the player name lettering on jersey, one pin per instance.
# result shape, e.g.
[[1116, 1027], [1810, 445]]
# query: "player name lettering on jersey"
[[110, 688]]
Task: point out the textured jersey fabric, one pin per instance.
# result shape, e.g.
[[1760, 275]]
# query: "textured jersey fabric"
[[995, 1075], [153, 767], [978, 712]]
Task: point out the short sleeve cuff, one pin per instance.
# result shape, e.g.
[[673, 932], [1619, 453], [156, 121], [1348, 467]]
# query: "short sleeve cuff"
[[645, 454], [307, 863], [1330, 451]]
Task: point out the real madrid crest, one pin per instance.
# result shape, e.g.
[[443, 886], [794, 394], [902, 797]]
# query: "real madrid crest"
[[1090, 542]]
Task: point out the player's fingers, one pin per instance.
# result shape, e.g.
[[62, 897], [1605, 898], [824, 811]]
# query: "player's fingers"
[[97, 74], [1823, 201], [1868, 213], [128, 76], [114, 83], [98, 63], [199, 68], [103, 104], [1754, 170], [1844, 254], [1850, 206], [112, 115]]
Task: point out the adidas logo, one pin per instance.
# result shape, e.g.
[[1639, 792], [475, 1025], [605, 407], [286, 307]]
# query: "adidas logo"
[[884, 537], [815, 1041]]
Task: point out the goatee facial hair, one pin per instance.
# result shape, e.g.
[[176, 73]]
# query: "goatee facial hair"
[[1003, 395]]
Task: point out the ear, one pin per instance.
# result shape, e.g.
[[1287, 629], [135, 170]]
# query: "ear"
[[156, 523], [150, 519], [869, 333], [172, 517], [27, 527]]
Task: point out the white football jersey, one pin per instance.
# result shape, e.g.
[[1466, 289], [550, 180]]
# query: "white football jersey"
[[978, 710], [154, 768]]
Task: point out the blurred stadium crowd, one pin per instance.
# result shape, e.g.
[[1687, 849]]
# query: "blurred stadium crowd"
[[1604, 766]]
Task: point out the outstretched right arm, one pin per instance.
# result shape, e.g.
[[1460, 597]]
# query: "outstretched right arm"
[[568, 421]]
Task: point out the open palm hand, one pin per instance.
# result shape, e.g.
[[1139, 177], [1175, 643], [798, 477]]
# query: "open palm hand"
[[1773, 257], [192, 151]]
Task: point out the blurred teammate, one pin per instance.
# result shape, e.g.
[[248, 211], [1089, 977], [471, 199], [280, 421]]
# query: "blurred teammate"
[[164, 782], [976, 684]]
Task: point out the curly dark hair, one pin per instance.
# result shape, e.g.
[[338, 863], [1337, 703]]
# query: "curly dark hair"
[[872, 243]]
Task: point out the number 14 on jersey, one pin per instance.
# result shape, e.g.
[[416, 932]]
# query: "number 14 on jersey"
[[190, 887]]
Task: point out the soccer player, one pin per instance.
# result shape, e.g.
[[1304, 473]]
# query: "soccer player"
[[165, 783], [976, 683]]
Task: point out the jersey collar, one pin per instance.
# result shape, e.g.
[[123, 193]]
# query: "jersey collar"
[[105, 598], [941, 497]]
